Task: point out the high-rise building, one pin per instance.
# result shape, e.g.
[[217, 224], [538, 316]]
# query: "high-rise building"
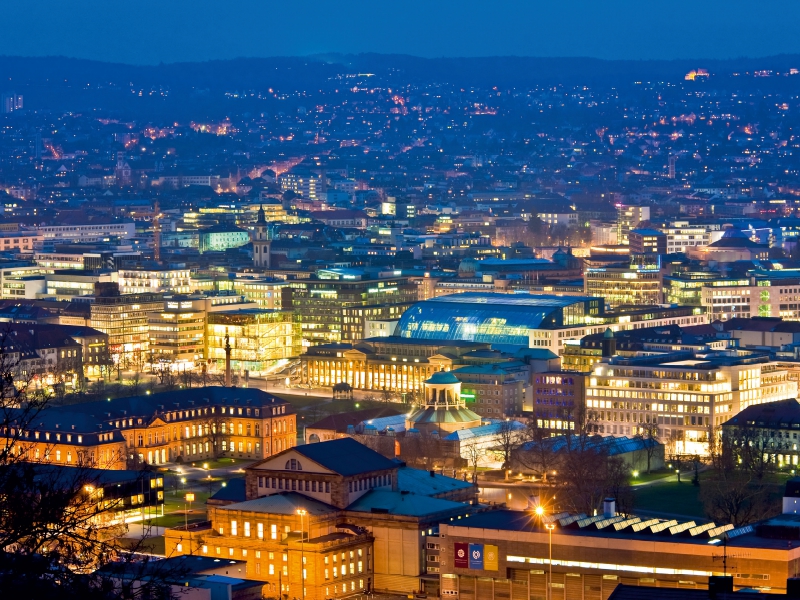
[[629, 217], [335, 306], [10, 102], [639, 282]]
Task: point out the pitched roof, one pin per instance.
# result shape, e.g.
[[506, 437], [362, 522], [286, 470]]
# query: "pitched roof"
[[400, 503], [781, 413], [340, 422], [346, 457], [284, 503]]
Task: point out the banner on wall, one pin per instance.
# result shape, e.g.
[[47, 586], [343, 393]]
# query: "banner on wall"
[[490, 558], [476, 556], [461, 554]]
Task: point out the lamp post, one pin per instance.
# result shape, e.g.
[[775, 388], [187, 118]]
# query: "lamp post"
[[189, 498], [550, 527], [302, 512]]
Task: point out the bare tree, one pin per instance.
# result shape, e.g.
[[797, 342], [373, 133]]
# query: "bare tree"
[[537, 454], [474, 454], [648, 435], [508, 438], [57, 536]]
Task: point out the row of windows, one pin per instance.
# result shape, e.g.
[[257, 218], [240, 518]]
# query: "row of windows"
[[280, 483]]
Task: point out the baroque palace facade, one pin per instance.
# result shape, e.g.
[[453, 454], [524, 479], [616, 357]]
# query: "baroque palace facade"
[[183, 425]]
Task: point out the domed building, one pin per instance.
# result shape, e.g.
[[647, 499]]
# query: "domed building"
[[443, 409]]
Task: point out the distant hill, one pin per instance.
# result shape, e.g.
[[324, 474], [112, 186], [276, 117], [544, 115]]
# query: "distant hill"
[[303, 71], [197, 89]]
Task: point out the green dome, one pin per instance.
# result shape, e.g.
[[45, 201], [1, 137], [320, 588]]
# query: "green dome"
[[443, 377]]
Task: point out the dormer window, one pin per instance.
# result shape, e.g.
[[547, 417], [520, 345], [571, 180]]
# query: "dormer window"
[[293, 465]]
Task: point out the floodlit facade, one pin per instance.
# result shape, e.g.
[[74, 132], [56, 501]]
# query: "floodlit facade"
[[258, 338], [686, 396], [138, 281]]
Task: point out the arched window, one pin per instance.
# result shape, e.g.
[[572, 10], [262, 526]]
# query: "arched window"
[[293, 465]]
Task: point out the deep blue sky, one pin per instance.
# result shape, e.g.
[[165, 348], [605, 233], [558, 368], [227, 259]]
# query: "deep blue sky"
[[151, 31]]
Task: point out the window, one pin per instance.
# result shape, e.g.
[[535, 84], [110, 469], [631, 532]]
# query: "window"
[[247, 529], [293, 465], [260, 530], [273, 530], [233, 528]]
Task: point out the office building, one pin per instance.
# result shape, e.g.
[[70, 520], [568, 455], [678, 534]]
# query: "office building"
[[157, 281], [629, 217], [636, 283], [82, 234], [335, 306], [647, 241], [258, 338], [221, 237], [684, 394]]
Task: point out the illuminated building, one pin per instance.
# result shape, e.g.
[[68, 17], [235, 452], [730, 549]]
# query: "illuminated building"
[[219, 238], [681, 235], [161, 280], [178, 331], [328, 520], [181, 425], [684, 394], [334, 306], [647, 241], [763, 294], [259, 338], [558, 401], [518, 554], [529, 320], [306, 184], [687, 289], [87, 233], [67, 284], [636, 283], [629, 217], [387, 363], [124, 318]]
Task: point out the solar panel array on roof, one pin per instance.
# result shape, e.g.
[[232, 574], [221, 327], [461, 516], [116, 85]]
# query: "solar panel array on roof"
[[610, 521], [570, 520], [719, 530], [558, 517], [589, 520], [732, 533], [680, 527], [701, 528], [637, 527], [626, 523], [659, 527]]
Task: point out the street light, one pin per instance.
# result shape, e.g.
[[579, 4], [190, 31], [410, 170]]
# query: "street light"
[[550, 527], [188, 498], [302, 512]]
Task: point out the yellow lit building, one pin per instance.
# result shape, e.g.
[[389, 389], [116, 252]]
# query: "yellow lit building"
[[258, 338]]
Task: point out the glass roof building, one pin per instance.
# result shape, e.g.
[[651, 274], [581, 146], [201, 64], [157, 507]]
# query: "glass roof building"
[[494, 318]]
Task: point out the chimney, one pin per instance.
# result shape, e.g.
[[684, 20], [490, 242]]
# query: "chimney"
[[793, 587], [609, 508], [717, 585]]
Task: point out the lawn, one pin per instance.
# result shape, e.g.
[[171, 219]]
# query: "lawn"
[[671, 497], [643, 477]]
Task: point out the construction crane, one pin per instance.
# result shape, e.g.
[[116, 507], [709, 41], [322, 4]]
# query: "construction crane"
[[156, 233]]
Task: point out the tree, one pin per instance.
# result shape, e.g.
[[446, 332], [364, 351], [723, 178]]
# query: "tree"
[[56, 536], [737, 497], [537, 453], [507, 440], [474, 454], [648, 435]]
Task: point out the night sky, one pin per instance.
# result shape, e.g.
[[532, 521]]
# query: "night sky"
[[152, 31]]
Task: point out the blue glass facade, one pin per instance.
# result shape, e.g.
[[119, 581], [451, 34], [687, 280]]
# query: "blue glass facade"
[[493, 318]]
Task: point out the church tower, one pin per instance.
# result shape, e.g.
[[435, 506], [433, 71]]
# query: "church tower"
[[261, 241]]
